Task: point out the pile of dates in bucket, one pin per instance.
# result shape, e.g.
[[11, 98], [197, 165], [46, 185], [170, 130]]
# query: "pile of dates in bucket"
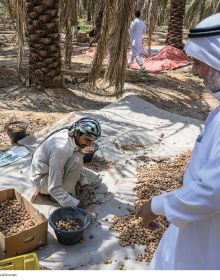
[[67, 225]]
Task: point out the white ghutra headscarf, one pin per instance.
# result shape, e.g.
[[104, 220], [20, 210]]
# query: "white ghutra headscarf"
[[204, 41]]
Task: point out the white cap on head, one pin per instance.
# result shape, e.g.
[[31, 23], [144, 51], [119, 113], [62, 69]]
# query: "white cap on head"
[[204, 41]]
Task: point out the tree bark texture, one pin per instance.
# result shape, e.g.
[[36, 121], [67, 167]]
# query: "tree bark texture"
[[44, 43], [175, 27]]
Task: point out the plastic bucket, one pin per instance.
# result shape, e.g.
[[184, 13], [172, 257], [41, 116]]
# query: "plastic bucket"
[[79, 215], [89, 156], [16, 135]]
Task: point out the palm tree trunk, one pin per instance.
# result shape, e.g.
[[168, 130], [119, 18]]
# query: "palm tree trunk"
[[89, 10], [175, 27], [44, 43]]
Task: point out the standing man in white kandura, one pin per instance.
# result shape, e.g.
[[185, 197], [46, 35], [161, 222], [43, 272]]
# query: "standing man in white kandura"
[[192, 240], [137, 30]]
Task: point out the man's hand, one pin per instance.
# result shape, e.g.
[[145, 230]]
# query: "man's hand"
[[86, 186], [87, 192], [82, 205], [88, 209], [146, 213]]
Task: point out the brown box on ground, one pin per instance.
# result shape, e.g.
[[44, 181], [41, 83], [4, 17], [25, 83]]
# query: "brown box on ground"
[[25, 241]]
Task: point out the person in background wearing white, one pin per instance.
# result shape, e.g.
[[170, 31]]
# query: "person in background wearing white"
[[137, 30], [192, 240]]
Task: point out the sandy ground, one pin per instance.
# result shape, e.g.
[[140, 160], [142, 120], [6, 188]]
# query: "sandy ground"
[[175, 91]]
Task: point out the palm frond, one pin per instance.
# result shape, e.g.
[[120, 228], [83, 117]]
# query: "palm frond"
[[139, 5], [116, 70], [163, 11], [68, 13], [21, 29], [102, 44], [152, 19], [196, 10], [68, 19], [217, 9]]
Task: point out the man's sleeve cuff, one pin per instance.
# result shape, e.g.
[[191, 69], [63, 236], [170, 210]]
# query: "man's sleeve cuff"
[[71, 201], [83, 181], [75, 202], [157, 205]]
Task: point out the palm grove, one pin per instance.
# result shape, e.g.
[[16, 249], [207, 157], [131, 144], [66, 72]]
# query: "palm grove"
[[39, 24]]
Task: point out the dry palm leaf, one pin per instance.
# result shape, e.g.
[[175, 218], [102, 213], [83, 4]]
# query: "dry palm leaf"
[[152, 19], [21, 22], [196, 10], [119, 42], [114, 33], [102, 44], [68, 19]]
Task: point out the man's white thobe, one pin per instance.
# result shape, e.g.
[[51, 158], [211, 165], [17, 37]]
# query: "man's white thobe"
[[192, 241], [56, 167], [137, 30]]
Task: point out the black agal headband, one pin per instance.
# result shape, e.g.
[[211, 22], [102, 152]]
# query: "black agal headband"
[[204, 32]]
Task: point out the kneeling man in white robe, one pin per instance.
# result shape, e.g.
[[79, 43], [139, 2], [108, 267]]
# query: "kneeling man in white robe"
[[57, 165]]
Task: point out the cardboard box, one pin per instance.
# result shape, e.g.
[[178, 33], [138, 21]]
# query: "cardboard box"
[[25, 241]]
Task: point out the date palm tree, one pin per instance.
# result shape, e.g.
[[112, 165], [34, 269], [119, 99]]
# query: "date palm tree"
[[175, 26], [44, 43]]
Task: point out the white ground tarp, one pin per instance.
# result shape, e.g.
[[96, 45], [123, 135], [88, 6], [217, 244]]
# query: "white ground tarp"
[[130, 120]]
